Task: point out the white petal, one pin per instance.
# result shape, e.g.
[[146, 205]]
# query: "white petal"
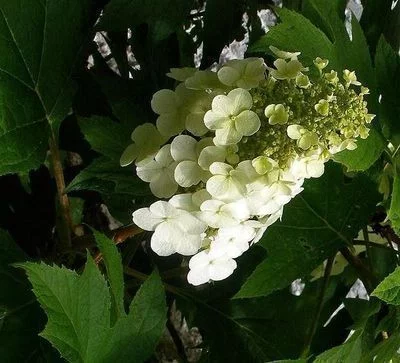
[[181, 74], [190, 224], [228, 75], [223, 105], [200, 196], [183, 201], [214, 120], [164, 157], [183, 147], [293, 131], [195, 123], [315, 168], [240, 99], [164, 101], [188, 245], [227, 136], [170, 124], [149, 170], [221, 269], [164, 239], [129, 154], [188, 173], [163, 185], [218, 168], [199, 260], [238, 210], [198, 276], [163, 209], [211, 154], [146, 220], [247, 123]]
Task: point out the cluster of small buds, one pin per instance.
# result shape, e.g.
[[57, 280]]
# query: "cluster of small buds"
[[231, 148]]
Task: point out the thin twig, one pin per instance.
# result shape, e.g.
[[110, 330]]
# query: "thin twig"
[[65, 213], [372, 244], [320, 304], [121, 235], [367, 277], [367, 246]]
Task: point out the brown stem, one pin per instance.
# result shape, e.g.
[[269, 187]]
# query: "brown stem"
[[121, 235], [320, 304], [365, 274], [65, 215]]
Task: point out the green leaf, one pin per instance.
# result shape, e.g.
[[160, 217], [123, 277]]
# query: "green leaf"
[[367, 152], [105, 136], [79, 318], [362, 339], [386, 351], [145, 321], [394, 211], [40, 43], [295, 33], [349, 352], [113, 262], [267, 328], [325, 217], [389, 289], [108, 177], [21, 318], [387, 67], [378, 18]]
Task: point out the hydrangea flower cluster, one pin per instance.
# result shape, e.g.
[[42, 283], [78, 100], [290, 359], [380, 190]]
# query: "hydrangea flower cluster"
[[231, 148]]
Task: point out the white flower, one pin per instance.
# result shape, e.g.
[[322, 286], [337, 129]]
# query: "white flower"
[[320, 63], [226, 183], [176, 230], [219, 214], [332, 77], [308, 167], [200, 197], [277, 114], [185, 150], [244, 73], [287, 69], [231, 117], [268, 200], [159, 172], [147, 140], [305, 139], [181, 74], [233, 240], [322, 107], [350, 78], [265, 223], [283, 54], [211, 154], [348, 144], [166, 103], [194, 104], [185, 202], [208, 265], [263, 164], [303, 81], [204, 80]]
